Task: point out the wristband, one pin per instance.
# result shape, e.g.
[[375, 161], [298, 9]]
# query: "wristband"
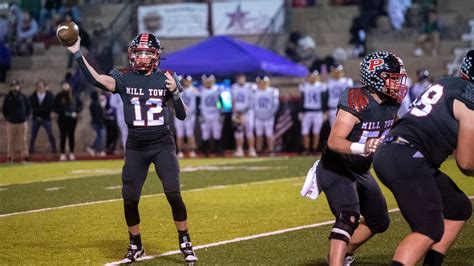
[[78, 54], [357, 148]]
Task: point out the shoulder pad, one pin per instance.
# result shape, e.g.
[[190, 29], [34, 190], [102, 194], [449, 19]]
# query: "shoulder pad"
[[357, 99], [468, 95]]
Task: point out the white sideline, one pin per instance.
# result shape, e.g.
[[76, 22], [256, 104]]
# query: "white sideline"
[[239, 239], [144, 196]]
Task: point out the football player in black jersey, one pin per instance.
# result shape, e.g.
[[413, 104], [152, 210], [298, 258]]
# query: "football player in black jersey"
[[148, 95], [441, 121], [364, 116]]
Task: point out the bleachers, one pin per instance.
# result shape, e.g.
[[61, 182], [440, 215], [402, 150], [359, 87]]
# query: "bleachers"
[[328, 25]]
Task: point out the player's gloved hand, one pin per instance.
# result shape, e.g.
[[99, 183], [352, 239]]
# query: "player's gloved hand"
[[371, 145], [170, 82], [75, 47]]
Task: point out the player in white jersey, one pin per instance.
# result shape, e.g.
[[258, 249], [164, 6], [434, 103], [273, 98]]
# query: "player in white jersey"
[[243, 117], [116, 102], [336, 85], [312, 92], [210, 113], [265, 106], [185, 128]]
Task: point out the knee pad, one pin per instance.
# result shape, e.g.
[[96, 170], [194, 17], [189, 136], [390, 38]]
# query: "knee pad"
[[459, 208], [346, 224], [177, 206], [131, 212]]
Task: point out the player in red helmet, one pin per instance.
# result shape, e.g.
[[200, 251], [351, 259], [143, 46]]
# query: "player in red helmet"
[[148, 95], [364, 116]]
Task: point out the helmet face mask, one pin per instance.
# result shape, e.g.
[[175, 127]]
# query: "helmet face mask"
[[395, 86], [144, 52], [386, 74]]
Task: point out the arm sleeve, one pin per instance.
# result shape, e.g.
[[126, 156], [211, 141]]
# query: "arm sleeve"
[[88, 74]]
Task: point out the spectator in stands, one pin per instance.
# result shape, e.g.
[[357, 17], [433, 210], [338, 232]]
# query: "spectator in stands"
[[67, 105], [300, 47], [16, 110], [422, 83], [396, 11], [111, 127], [369, 11], [4, 27], [14, 18], [358, 37], [71, 7], [32, 6], [429, 35], [49, 30], [27, 29], [102, 51], [42, 105], [96, 108], [5, 61], [50, 9]]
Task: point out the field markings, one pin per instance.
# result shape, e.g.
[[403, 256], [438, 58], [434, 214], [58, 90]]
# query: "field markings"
[[147, 196], [78, 173], [53, 188], [240, 239]]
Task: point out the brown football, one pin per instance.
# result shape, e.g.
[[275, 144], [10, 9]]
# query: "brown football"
[[67, 33]]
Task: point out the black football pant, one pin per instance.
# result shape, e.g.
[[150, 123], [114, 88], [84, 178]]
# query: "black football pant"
[[357, 193], [134, 173], [425, 195]]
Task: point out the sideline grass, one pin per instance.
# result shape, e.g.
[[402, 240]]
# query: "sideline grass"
[[38, 172], [97, 233], [23, 197]]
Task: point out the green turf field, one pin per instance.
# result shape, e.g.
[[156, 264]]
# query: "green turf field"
[[71, 213]]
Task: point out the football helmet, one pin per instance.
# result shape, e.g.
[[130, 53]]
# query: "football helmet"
[[385, 73], [467, 68], [144, 52]]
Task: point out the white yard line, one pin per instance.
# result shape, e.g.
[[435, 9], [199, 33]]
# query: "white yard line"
[[239, 239], [144, 196], [118, 170]]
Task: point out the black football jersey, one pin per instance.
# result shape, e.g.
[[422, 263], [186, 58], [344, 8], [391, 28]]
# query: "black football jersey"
[[145, 107], [430, 125], [376, 120]]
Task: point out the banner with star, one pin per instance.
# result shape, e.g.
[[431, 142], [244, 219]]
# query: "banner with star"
[[246, 17], [174, 20]]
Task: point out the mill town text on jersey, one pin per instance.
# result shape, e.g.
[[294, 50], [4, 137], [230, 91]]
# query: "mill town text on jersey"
[[151, 92]]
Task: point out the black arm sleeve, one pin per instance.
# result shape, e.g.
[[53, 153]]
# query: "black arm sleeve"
[[180, 110], [88, 74]]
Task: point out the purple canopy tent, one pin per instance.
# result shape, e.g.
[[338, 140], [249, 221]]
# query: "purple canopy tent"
[[225, 56]]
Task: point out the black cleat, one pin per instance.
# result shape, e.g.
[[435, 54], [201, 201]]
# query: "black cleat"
[[188, 252], [133, 254]]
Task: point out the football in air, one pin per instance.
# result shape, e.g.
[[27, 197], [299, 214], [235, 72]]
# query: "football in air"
[[67, 33]]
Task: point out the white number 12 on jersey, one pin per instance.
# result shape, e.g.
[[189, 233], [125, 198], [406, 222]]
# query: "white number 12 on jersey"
[[150, 115]]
